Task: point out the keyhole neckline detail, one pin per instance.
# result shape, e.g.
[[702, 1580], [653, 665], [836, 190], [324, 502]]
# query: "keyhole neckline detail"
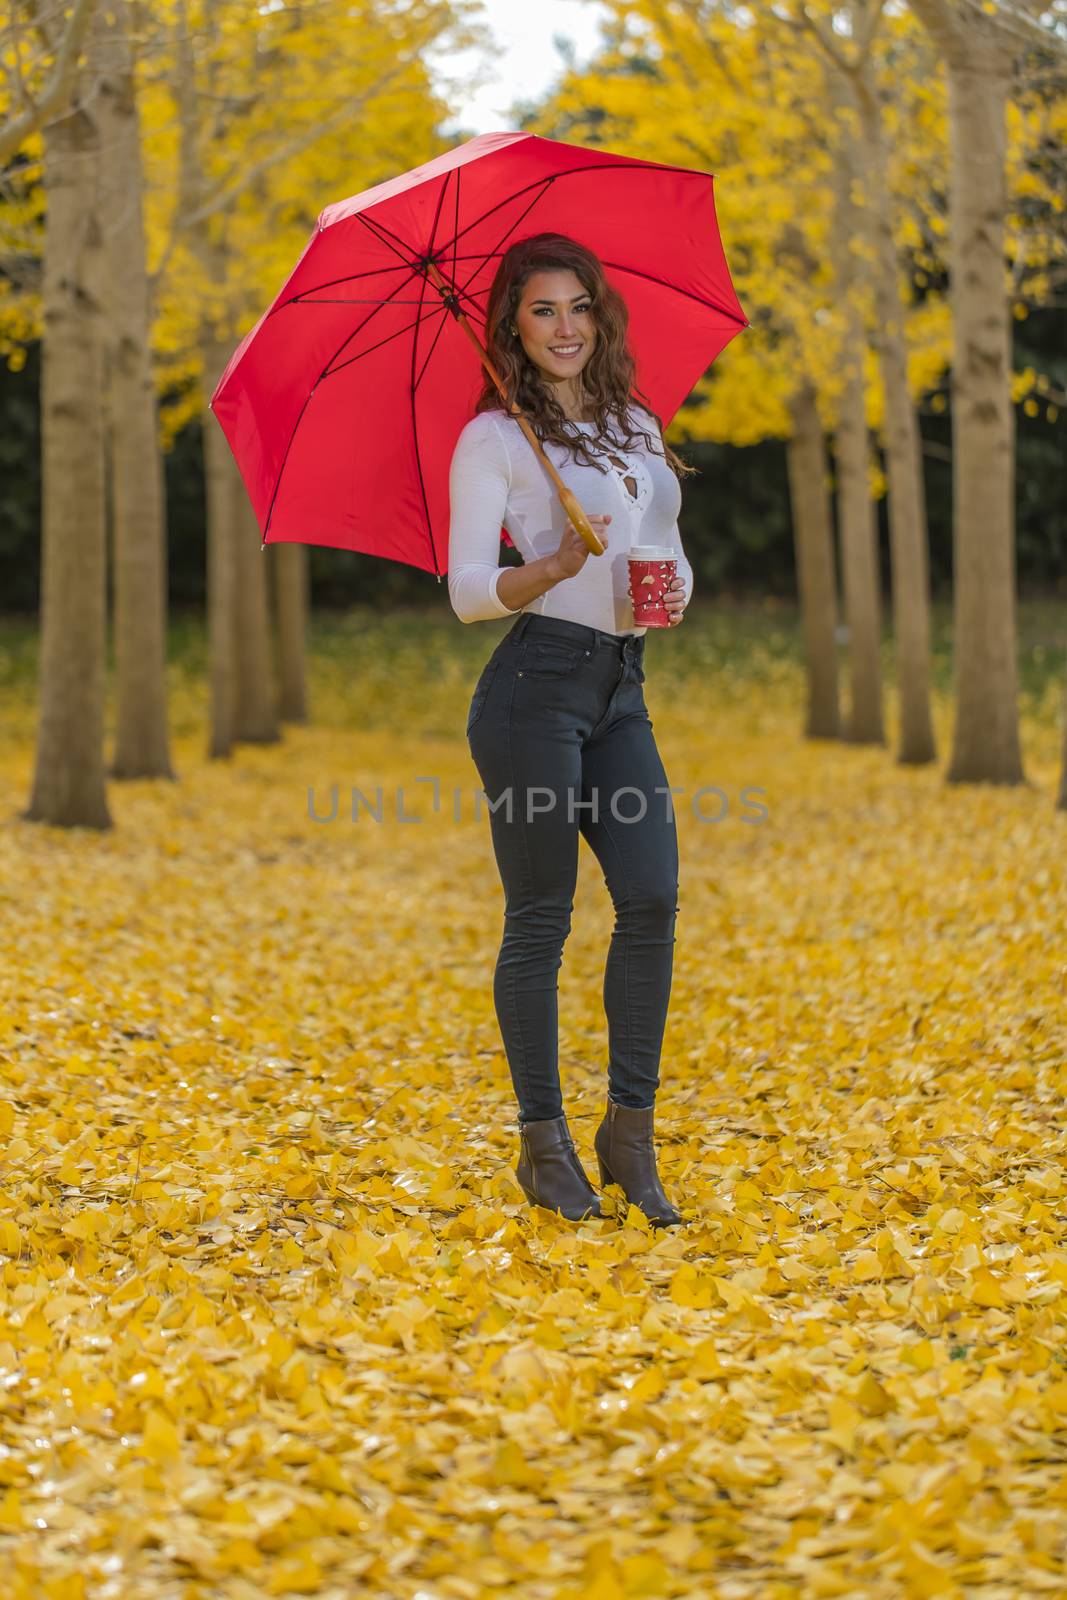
[[633, 469], [626, 473], [624, 468]]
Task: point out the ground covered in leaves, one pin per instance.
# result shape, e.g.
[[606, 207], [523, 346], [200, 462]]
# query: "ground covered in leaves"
[[275, 1318]]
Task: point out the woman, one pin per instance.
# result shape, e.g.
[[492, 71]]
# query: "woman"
[[557, 726]]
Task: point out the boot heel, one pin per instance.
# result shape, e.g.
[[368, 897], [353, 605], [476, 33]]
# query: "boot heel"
[[605, 1175], [529, 1195]]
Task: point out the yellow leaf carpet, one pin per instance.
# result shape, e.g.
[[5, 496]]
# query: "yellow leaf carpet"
[[275, 1318]]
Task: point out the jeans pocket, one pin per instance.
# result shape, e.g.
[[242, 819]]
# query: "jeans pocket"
[[550, 658], [481, 692]]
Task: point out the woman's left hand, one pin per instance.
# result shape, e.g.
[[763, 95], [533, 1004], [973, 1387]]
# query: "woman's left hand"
[[674, 600]]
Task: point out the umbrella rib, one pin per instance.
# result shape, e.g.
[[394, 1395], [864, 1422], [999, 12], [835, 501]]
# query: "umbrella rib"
[[462, 292], [459, 290], [392, 301], [544, 183], [455, 224], [437, 335], [414, 420], [510, 230], [417, 379], [437, 216], [397, 333], [712, 305], [443, 322], [570, 172], [441, 325], [307, 401], [387, 237], [371, 272]]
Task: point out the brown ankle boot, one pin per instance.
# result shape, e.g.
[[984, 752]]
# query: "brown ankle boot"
[[624, 1148], [551, 1174]]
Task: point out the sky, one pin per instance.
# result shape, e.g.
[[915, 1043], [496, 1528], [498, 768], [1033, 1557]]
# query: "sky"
[[524, 61]]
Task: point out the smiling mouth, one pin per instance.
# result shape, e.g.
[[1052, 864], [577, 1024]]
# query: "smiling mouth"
[[565, 352]]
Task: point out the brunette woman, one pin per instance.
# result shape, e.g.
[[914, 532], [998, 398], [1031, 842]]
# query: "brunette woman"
[[557, 726]]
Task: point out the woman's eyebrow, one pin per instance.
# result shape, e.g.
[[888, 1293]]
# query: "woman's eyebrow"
[[552, 302]]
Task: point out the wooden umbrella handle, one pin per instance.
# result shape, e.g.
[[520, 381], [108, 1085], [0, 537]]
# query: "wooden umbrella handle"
[[567, 498]]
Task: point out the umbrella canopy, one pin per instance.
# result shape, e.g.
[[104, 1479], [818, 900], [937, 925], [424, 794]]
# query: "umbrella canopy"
[[343, 404]]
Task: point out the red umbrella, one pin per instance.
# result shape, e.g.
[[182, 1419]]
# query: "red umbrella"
[[343, 404]]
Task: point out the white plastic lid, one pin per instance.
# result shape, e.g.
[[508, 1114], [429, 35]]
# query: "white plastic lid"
[[651, 552]]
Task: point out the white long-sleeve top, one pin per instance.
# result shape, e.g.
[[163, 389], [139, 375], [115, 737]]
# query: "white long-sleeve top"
[[496, 480]]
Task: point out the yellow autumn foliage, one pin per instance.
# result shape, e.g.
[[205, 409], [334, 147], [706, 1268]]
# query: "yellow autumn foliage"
[[275, 111], [745, 93], [275, 1318]]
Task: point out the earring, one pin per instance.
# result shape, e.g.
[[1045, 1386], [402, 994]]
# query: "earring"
[[515, 332]]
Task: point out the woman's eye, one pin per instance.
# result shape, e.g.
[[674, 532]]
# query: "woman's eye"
[[547, 310]]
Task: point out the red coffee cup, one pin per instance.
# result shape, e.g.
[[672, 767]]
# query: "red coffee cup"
[[653, 568]]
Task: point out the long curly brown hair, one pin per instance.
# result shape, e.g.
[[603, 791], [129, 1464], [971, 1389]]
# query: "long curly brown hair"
[[608, 378]]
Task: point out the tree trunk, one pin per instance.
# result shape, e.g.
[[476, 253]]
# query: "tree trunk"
[[856, 520], [986, 739], [242, 695], [859, 567], [68, 784], [290, 562], [215, 338], [139, 530], [219, 472], [813, 539], [908, 536], [255, 714], [979, 49]]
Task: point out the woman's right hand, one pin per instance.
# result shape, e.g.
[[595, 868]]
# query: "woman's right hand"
[[571, 556]]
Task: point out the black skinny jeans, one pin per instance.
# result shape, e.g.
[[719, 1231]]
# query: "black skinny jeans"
[[562, 741]]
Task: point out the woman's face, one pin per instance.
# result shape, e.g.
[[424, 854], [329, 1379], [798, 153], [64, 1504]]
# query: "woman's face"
[[555, 323]]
